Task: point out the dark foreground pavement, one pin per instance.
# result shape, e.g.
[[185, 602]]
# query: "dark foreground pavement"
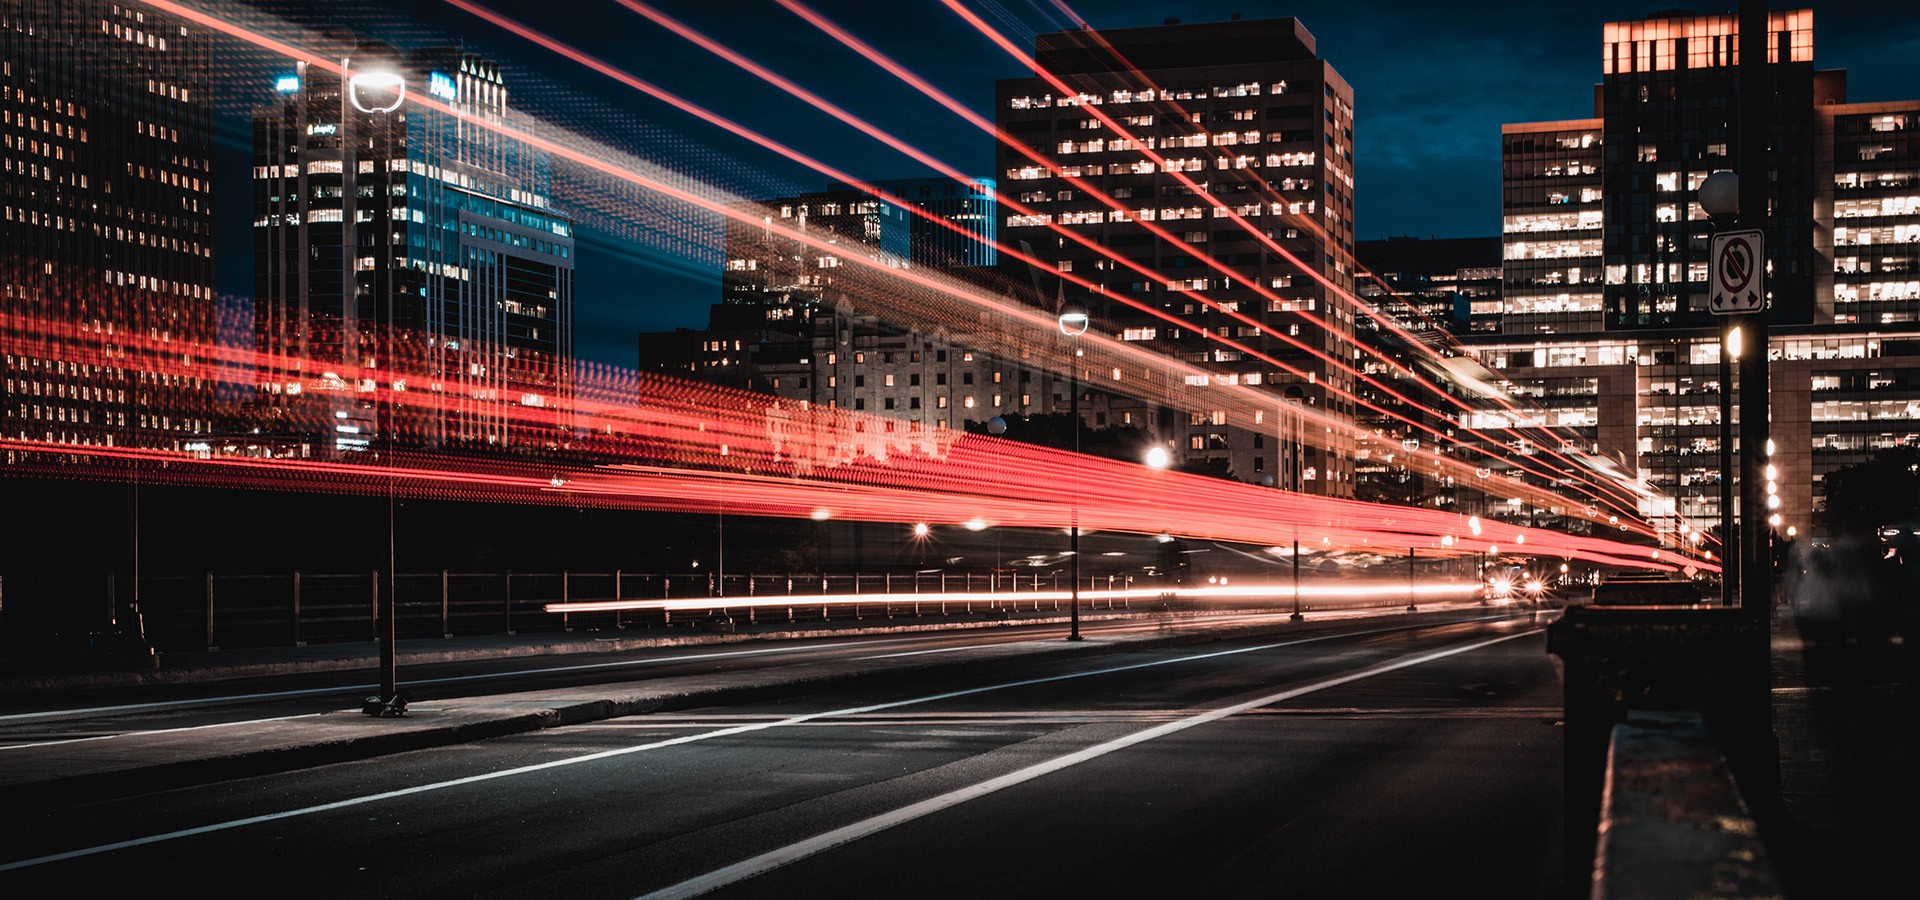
[[1843, 711]]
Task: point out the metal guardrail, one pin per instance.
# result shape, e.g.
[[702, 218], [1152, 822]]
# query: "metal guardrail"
[[216, 610]]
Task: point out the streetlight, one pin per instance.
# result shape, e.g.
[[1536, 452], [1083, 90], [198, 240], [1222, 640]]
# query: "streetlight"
[[1158, 458], [376, 88], [1073, 324]]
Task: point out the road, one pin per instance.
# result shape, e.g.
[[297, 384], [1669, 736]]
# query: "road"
[[1381, 758]]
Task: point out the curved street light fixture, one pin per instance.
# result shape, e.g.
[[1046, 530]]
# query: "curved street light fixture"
[[1073, 321], [377, 91]]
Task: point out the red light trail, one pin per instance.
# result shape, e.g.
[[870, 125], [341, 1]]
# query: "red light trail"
[[657, 443], [696, 440], [1616, 497]]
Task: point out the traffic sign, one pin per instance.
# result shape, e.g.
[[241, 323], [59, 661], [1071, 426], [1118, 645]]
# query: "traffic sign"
[[1737, 273]]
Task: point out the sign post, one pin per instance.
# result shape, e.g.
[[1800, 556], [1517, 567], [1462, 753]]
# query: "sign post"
[[1735, 280]]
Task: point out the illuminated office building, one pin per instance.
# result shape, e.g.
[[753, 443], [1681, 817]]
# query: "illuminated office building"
[[1605, 329], [1249, 113], [106, 225], [410, 241], [795, 319]]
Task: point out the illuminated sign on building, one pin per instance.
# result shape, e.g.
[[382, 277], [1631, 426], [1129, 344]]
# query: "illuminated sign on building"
[[287, 84], [440, 85]]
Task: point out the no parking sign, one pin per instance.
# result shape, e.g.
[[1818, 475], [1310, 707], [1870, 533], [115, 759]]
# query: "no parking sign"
[[1736, 276]]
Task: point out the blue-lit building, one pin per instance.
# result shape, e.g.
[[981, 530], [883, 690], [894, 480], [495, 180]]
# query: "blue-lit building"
[[412, 242], [968, 210]]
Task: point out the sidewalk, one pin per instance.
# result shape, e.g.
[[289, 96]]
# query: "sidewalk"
[[1846, 715]]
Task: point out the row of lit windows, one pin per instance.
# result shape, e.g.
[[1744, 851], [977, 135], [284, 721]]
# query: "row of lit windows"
[[1877, 291], [1852, 180], [49, 126], [1698, 353], [1884, 206], [59, 390], [1124, 95], [1191, 164], [1166, 214], [1557, 303], [1864, 410], [1552, 249], [1885, 234], [1220, 139], [1567, 221], [169, 90]]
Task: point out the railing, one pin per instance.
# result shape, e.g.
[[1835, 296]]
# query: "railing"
[[214, 610]]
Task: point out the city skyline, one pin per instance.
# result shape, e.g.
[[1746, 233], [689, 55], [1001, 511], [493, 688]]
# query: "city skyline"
[[1427, 150]]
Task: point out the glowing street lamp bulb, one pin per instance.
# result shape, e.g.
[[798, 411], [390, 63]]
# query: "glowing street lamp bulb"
[[820, 515], [1074, 321], [1769, 453], [976, 524], [1772, 472], [1774, 520], [1473, 525], [920, 529], [366, 90], [1157, 458]]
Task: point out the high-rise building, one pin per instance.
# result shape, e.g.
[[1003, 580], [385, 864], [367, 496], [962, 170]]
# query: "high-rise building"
[[392, 236], [106, 225], [1606, 325], [1550, 195], [970, 214], [782, 296], [1420, 295], [1243, 113], [934, 222]]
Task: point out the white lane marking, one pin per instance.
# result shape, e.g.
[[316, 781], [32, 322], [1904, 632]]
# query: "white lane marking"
[[910, 653], [653, 745], [152, 732], [774, 859]]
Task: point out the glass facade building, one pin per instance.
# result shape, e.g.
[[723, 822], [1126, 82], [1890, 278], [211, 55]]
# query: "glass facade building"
[[412, 242]]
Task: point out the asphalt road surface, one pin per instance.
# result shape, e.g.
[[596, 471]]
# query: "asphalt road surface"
[[1376, 761]]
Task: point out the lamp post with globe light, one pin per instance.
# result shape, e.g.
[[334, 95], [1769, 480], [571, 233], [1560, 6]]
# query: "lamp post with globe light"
[[1073, 322], [376, 88]]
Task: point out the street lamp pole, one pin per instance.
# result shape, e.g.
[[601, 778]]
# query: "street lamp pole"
[[377, 89], [1073, 324], [1755, 126], [1296, 582]]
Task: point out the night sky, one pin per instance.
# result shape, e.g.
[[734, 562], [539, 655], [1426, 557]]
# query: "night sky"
[[1433, 82]]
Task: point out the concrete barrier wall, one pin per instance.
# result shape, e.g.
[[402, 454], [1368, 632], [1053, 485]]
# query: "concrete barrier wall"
[[1672, 822]]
